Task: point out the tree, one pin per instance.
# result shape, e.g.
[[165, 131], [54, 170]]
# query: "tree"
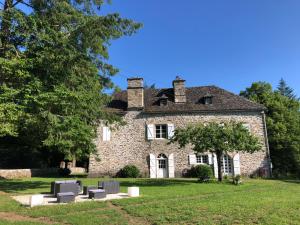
[[56, 69], [217, 139], [285, 90], [283, 124], [146, 86]]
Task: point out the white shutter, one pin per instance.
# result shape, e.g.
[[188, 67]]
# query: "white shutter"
[[171, 166], [236, 164], [150, 131], [152, 166], [170, 131], [210, 160], [215, 162], [192, 159], [106, 134]]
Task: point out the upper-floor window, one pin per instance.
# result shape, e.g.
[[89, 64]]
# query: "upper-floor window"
[[208, 99], [161, 131], [201, 159]]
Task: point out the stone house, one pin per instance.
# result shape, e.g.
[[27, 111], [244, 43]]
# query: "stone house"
[[152, 115]]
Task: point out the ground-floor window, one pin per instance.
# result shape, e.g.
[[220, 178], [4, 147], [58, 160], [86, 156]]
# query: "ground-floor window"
[[201, 159], [226, 164]]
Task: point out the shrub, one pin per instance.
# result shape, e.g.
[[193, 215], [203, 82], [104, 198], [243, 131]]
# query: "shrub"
[[236, 179], [202, 172], [129, 171], [64, 172]]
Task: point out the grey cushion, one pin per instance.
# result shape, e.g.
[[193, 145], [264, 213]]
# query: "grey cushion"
[[65, 197]]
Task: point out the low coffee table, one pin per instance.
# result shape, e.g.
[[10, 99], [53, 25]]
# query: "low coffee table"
[[86, 189]]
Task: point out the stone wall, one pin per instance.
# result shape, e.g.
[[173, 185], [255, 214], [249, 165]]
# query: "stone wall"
[[129, 144], [26, 173]]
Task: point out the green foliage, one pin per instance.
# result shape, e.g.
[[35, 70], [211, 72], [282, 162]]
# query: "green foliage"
[[53, 71], [236, 179], [283, 124], [203, 172], [129, 171], [285, 90], [217, 138], [64, 172]]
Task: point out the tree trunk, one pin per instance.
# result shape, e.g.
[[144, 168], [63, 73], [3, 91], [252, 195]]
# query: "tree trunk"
[[74, 161], [5, 27], [219, 160]]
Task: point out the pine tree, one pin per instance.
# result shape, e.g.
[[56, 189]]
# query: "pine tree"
[[285, 90]]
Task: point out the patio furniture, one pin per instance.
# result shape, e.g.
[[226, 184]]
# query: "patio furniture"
[[36, 200], [133, 191], [111, 187], [66, 187], [87, 188], [78, 184], [96, 194], [65, 197], [53, 185]]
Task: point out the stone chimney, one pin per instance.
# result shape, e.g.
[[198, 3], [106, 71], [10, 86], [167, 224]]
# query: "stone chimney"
[[179, 90], [135, 93]]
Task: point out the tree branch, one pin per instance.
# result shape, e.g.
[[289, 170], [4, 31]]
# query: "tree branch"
[[22, 2]]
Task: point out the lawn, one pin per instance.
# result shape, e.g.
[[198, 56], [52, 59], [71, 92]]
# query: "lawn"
[[174, 201]]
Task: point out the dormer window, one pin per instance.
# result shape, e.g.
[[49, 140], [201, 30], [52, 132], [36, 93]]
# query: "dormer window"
[[163, 100], [207, 99]]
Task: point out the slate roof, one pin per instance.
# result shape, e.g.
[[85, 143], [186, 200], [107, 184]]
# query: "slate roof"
[[222, 101]]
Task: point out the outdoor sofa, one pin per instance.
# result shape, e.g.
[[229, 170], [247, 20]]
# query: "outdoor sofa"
[[110, 187]]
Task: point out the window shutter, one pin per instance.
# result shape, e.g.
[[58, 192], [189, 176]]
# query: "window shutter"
[[152, 166], [215, 162], [236, 164], [171, 166], [150, 131], [170, 131], [106, 134], [192, 159], [210, 160]]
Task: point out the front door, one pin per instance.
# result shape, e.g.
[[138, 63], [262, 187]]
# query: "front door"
[[162, 167]]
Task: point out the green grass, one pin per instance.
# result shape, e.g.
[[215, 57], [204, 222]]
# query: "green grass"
[[169, 201]]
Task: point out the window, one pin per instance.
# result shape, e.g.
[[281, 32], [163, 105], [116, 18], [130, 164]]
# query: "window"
[[226, 165], [162, 161], [161, 131], [201, 159], [208, 100], [163, 102]]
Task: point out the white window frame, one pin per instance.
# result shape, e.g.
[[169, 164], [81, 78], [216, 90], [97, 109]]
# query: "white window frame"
[[201, 159], [161, 133], [227, 163]]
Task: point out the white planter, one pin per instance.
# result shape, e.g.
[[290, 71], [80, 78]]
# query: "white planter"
[[133, 191], [36, 200]]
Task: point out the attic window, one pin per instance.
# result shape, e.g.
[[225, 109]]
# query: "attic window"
[[207, 99], [163, 100]]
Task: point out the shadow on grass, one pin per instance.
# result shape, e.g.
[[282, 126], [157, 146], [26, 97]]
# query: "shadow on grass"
[[156, 182], [13, 186], [290, 181]]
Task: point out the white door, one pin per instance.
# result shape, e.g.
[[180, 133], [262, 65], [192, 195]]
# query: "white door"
[[162, 166]]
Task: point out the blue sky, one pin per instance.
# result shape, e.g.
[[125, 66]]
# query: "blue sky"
[[228, 43]]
